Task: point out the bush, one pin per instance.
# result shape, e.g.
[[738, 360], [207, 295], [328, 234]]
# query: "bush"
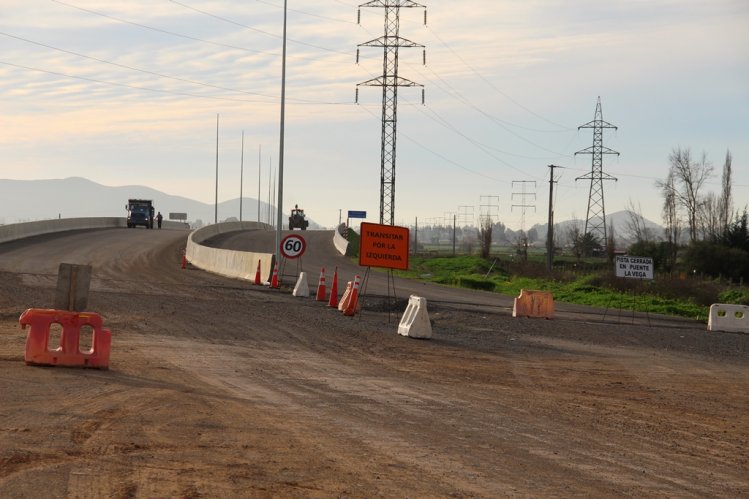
[[735, 296], [717, 260], [476, 283]]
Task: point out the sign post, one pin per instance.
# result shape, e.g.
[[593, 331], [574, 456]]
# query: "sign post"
[[634, 267], [293, 246], [383, 246]]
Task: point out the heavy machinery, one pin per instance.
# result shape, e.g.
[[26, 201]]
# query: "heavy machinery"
[[139, 212], [297, 219]]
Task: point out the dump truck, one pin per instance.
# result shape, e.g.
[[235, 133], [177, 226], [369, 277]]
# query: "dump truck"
[[139, 212], [297, 219]]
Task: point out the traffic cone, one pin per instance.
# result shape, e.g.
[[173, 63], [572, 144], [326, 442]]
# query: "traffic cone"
[[354, 300], [333, 302], [257, 274], [321, 286], [274, 279], [184, 261]]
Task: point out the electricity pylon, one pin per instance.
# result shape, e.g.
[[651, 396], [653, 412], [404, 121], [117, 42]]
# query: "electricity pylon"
[[390, 42], [595, 220]]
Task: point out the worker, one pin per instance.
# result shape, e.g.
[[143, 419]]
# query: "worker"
[[159, 218]]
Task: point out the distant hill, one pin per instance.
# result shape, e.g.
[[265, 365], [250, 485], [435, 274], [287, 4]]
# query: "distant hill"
[[29, 200], [620, 221]]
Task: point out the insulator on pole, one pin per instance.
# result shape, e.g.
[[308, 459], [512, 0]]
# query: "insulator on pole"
[[357, 95], [424, 57], [422, 96], [425, 17], [357, 55], [358, 16]]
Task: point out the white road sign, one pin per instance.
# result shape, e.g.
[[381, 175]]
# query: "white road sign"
[[293, 246], [634, 267]]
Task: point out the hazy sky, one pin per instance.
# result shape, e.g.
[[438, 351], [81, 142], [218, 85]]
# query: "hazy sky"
[[127, 92]]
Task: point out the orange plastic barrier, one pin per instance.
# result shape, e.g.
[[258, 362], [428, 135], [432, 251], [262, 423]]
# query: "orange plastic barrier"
[[346, 297], [533, 304], [69, 352]]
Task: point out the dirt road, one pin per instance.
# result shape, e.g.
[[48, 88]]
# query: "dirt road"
[[219, 388]]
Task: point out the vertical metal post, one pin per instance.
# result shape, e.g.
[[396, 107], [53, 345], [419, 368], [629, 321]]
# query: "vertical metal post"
[[550, 228], [281, 140], [215, 213], [241, 177]]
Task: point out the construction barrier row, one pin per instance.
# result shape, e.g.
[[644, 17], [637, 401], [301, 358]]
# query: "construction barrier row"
[[728, 318], [533, 304], [69, 352], [229, 263]]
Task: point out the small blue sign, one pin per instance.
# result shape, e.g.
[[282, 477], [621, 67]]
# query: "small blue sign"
[[357, 214]]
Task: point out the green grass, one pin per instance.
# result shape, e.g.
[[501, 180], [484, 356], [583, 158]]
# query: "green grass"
[[591, 289]]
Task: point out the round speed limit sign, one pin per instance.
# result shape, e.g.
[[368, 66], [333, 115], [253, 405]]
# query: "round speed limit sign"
[[293, 246]]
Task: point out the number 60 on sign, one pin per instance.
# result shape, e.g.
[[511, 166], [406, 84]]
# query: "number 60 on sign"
[[293, 246]]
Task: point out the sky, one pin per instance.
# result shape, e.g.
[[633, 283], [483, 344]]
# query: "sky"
[[129, 92]]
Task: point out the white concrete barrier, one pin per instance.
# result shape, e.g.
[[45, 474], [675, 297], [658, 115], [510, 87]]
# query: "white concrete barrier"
[[229, 263], [415, 322], [302, 286], [728, 318], [13, 232], [340, 242]]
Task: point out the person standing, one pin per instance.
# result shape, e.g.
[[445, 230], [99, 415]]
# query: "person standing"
[[159, 218]]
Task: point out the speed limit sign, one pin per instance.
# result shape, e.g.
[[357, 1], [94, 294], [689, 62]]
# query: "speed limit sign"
[[293, 246]]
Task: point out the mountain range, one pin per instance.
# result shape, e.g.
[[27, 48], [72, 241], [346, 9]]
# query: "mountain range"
[[29, 200]]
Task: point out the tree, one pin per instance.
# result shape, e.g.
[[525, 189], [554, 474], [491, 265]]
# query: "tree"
[[635, 224], [671, 219], [689, 177], [725, 201], [485, 236]]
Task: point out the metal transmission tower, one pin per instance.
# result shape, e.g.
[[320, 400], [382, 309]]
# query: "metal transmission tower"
[[390, 42], [595, 220]]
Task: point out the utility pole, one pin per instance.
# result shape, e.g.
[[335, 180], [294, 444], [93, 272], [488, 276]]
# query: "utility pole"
[[241, 177], [281, 138], [488, 209], [390, 42], [550, 227], [215, 211], [595, 220]]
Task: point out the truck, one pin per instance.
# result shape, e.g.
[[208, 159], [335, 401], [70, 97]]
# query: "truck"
[[297, 219], [140, 212]]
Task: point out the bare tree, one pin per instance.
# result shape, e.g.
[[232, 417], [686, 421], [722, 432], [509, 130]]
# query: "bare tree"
[[671, 217], [689, 176], [709, 218], [635, 224]]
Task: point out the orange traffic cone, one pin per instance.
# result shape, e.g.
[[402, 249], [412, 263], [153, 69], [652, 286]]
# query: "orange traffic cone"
[[184, 261], [333, 302], [274, 279], [257, 274], [354, 300], [321, 286]]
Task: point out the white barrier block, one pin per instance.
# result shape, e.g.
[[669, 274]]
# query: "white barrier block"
[[301, 288], [415, 322], [728, 318]]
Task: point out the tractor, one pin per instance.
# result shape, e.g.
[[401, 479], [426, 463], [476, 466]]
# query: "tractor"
[[297, 219]]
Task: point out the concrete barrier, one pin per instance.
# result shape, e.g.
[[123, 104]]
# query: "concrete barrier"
[[340, 242], [415, 322], [533, 304], [229, 263], [728, 318], [13, 232]]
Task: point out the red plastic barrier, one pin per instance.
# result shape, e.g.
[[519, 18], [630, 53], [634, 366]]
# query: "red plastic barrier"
[[69, 352]]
